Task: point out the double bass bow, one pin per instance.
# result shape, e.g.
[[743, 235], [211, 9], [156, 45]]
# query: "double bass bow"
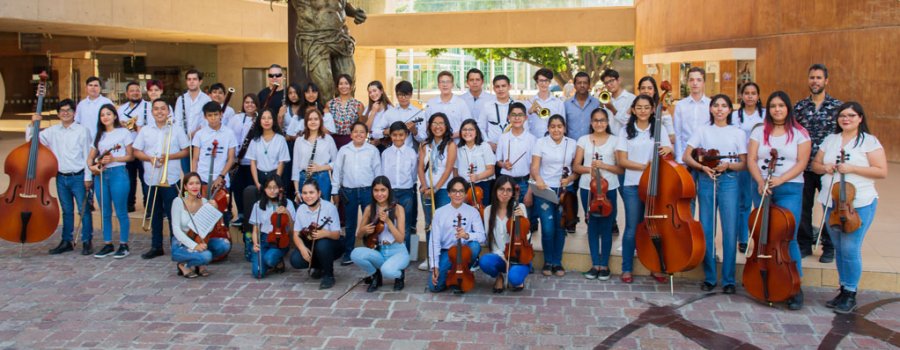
[[459, 275], [28, 211], [668, 240], [770, 275]]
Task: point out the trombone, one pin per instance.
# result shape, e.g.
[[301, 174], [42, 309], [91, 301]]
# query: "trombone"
[[163, 175]]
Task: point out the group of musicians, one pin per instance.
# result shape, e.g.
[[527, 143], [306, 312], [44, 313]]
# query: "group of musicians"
[[318, 162]]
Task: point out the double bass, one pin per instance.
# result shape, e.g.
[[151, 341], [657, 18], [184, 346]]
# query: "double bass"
[[770, 275], [599, 203], [28, 211], [218, 196], [843, 217], [668, 240], [459, 275]]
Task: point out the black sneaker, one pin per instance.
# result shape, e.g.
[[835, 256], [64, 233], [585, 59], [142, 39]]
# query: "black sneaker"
[[796, 302], [742, 247], [122, 252], [64, 246], [591, 274], [107, 250], [316, 274], [327, 282], [152, 253], [87, 248], [831, 303], [847, 304], [603, 275], [827, 256], [237, 223], [615, 229]]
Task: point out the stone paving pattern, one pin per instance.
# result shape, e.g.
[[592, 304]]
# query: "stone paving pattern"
[[71, 301]]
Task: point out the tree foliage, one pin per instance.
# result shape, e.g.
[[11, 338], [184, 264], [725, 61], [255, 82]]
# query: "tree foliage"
[[561, 60]]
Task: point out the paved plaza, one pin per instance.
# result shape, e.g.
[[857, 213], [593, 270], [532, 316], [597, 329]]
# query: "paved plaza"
[[71, 301]]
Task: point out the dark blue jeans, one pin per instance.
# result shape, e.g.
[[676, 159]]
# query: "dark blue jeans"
[[407, 199], [325, 252], [353, 200], [71, 192], [444, 265], [599, 229], [161, 206], [271, 257]]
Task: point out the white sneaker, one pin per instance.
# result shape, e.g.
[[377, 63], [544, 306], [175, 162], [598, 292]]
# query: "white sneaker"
[[424, 266]]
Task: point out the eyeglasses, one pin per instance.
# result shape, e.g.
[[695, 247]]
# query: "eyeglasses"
[[445, 82], [504, 190], [438, 123], [609, 81], [457, 191], [599, 121], [278, 75], [543, 81], [67, 110]]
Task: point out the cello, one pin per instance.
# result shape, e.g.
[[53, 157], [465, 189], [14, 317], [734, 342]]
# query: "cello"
[[843, 217], [28, 211], [599, 204], [770, 275], [459, 275], [218, 197], [668, 240]]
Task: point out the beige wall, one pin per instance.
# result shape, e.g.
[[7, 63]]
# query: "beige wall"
[[854, 39], [233, 58]]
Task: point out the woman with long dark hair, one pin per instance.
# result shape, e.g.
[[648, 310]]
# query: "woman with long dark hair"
[[475, 159], [345, 109], [389, 258], [272, 202], [111, 178], [437, 156], [748, 116], [496, 216]]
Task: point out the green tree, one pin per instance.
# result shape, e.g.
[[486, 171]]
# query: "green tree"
[[563, 62]]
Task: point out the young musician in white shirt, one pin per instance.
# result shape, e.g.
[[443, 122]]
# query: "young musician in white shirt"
[[390, 257], [214, 139], [189, 110], [544, 99], [356, 165], [110, 168], [447, 230]]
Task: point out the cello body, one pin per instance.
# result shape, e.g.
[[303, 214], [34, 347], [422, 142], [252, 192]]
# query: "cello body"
[[28, 211], [776, 278]]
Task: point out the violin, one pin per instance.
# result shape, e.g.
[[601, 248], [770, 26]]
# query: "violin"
[[371, 240], [281, 224], [599, 204], [459, 274], [104, 154], [710, 157], [518, 247], [306, 232], [568, 204], [668, 240], [844, 216], [770, 275], [475, 195], [30, 167]]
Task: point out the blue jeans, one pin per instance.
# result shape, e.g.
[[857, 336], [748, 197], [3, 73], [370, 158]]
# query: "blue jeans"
[[353, 199], [847, 247], [441, 198], [407, 199], [746, 188], [71, 191], [634, 213], [493, 265], [789, 196], [324, 253], [322, 179], [186, 163], [271, 257], [599, 229], [553, 236], [391, 259], [726, 199], [114, 193], [215, 248], [162, 207], [444, 266]]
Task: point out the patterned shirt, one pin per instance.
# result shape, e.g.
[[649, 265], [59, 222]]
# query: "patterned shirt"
[[818, 122], [345, 114]]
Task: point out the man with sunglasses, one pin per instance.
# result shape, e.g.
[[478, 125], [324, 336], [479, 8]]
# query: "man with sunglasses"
[[275, 74]]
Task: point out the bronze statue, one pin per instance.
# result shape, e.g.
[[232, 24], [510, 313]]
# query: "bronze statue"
[[323, 43]]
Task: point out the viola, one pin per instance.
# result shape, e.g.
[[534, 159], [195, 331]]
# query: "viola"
[[306, 232], [475, 195], [710, 157], [599, 204], [668, 240], [770, 275], [844, 216], [280, 227], [568, 204], [518, 247], [459, 274], [371, 240], [28, 211]]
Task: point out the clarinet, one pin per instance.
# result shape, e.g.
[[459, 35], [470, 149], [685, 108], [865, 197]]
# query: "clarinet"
[[243, 152], [312, 156]]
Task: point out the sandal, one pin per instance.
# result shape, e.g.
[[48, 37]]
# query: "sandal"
[[498, 290], [627, 277], [189, 274], [202, 272]]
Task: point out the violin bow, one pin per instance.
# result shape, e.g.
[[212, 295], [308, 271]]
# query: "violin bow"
[[259, 261], [824, 217], [312, 249]]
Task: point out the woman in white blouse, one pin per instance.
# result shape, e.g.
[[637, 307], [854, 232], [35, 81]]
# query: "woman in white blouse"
[[864, 162], [475, 159], [268, 255], [111, 179], [309, 164], [192, 257], [596, 152], [496, 216]]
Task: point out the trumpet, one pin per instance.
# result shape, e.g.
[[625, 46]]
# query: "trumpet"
[[543, 113], [605, 96], [163, 174], [131, 123]]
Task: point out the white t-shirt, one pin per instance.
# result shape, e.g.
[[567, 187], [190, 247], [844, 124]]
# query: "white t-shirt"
[[263, 218], [554, 156], [439, 161], [203, 140], [857, 156], [726, 139], [606, 153], [480, 155], [641, 149], [268, 154], [109, 140], [786, 149], [750, 120], [325, 153]]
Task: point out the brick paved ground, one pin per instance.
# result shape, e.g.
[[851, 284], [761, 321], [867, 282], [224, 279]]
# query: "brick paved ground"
[[71, 301]]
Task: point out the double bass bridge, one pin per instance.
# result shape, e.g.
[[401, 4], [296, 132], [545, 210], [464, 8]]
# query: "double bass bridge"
[[27, 195]]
